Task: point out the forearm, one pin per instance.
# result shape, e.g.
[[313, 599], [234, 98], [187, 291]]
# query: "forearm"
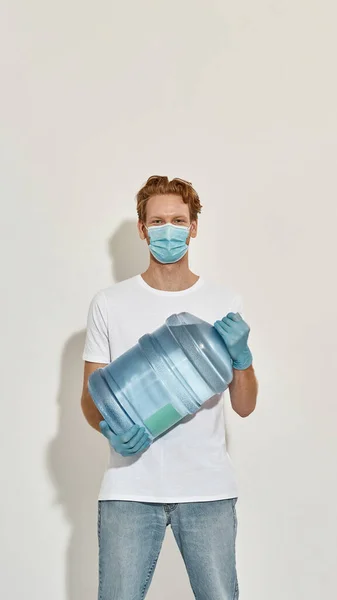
[[243, 391], [90, 411]]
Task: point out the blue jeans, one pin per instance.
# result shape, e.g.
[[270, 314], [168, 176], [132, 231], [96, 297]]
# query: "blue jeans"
[[130, 538]]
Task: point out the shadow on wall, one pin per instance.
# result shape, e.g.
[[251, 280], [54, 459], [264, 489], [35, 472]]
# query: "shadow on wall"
[[129, 254], [77, 456]]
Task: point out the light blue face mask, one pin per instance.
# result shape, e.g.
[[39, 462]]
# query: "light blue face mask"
[[168, 242]]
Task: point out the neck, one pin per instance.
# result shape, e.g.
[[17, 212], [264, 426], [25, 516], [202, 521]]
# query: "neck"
[[171, 278]]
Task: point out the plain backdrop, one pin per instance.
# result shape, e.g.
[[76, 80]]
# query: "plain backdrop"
[[240, 99]]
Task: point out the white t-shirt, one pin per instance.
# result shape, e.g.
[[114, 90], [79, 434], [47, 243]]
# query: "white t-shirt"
[[189, 463]]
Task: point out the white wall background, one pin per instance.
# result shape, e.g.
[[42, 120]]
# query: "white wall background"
[[239, 98]]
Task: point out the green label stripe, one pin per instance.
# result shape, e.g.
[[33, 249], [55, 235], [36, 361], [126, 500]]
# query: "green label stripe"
[[163, 419]]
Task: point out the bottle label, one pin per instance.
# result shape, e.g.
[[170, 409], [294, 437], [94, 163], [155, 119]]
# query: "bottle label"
[[162, 419]]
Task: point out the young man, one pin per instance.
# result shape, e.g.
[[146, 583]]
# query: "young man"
[[184, 478]]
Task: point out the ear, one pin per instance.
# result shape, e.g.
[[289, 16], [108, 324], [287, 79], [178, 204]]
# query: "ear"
[[141, 230], [194, 229]]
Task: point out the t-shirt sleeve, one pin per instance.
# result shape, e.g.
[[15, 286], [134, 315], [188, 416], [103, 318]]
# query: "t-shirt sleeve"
[[97, 347]]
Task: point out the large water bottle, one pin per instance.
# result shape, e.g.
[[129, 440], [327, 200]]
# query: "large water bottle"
[[167, 375]]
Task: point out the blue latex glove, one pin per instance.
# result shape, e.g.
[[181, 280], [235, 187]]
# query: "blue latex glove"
[[235, 331], [131, 442]]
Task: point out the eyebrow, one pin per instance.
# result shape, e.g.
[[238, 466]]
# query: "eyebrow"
[[175, 217]]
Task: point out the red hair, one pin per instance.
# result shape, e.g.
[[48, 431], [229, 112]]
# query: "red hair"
[[160, 185]]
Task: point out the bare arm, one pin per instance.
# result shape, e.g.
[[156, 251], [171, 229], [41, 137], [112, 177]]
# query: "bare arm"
[[91, 413], [243, 391]]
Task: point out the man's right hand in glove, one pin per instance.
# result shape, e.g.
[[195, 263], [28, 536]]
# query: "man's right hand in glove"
[[131, 442]]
